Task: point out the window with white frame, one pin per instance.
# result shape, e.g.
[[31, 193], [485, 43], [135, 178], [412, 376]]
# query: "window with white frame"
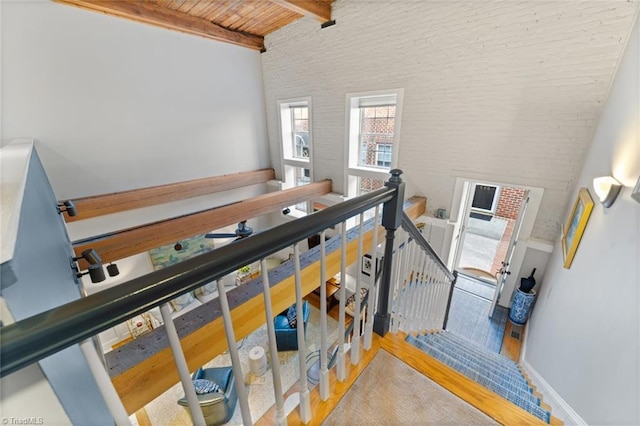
[[295, 122], [373, 133]]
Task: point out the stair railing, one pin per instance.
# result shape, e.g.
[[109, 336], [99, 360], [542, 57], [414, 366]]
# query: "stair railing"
[[422, 283], [32, 339]]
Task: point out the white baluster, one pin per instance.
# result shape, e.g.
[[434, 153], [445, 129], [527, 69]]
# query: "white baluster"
[[281, 418], [305, 401], [181, 365], [373, 289], [243, 399], [324, 371], [340, 368], [423, 291], [105, 385], [355, 340], [413, 307], [395, 296], [402, 281]]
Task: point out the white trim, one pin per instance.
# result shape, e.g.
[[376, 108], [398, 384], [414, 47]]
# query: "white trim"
[[291, 161], [352, 151], [559, 406]]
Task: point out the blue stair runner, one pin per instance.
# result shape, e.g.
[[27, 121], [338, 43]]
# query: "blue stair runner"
[[493, 371]]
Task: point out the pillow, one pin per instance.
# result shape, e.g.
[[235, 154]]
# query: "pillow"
[[292, 316], [205, 386], [181, 302], [209, 288]]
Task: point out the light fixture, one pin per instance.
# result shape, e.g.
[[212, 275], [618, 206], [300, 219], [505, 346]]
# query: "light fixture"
[[607, 189], [95, 270], [68, 207], [286, 211], [91, 256], [635, 193], [113, 270], [178, 246]]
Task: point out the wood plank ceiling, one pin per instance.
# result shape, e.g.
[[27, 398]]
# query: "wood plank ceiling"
[[240, 22]]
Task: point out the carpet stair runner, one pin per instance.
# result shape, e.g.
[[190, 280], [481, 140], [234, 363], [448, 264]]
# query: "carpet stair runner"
[[491, 370]]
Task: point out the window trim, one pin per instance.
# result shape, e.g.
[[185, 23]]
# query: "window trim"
[[353, 101], [285, 137], [285, 117]]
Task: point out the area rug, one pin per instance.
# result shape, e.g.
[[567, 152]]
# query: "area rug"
[[469, 318], [389, 392], [164, 410]]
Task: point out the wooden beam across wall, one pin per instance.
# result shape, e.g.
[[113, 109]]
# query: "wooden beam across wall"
[[145, 381], [150, 13], [125, 243], [319, 9], [99, 205]]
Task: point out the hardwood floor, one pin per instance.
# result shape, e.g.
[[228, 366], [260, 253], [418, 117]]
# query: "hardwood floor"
[[512, 341]]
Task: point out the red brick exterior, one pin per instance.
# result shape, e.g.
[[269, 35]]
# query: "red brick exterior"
[[509, 202]]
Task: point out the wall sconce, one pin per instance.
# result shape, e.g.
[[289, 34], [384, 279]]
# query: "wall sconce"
[[95, 270], [607, 189], [178, 246], [112, 270], [68, 207], [286, 211]]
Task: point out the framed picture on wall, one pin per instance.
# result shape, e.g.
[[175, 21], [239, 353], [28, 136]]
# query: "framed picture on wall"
[[576, 224], [367, 264]]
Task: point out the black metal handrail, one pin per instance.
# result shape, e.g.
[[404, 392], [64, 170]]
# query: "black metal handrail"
[[44, 334], [414, 232]]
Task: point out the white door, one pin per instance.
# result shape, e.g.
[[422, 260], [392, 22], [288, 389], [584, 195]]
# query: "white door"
[[506, 263], [460, 225]]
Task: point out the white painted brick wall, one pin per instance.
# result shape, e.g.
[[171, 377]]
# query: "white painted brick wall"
[[504, 91]]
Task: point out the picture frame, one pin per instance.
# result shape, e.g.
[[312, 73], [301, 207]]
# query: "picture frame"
[[576, 224], [367, 264]]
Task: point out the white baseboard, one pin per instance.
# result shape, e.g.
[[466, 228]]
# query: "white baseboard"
[[559, 407]]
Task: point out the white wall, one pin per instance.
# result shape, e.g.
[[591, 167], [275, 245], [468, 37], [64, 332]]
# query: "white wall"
[[583, 336], [116, 105], [500, 91]]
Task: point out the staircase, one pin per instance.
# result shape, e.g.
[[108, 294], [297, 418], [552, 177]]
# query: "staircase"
[[491, 370]]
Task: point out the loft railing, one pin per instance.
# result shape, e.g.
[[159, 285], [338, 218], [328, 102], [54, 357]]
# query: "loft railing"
[[422, 283], [37, 337]]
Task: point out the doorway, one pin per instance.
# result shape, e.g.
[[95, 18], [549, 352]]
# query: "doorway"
[[490, 220]]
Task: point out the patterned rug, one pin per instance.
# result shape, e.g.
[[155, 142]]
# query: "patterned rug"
[[469, 317], [164, 410]]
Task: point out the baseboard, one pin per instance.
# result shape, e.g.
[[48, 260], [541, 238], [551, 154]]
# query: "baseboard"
[[560, 408]]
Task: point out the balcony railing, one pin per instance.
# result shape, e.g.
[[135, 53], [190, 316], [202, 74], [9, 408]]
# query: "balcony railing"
[[37, 337]]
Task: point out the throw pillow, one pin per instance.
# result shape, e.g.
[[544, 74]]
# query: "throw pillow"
[[209, 288], [181, 301], [203, 386], [292, 317]]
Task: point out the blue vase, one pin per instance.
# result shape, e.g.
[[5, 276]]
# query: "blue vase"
[[521, 307]]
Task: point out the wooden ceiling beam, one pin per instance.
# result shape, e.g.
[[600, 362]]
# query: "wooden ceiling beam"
[[125, 243], [319, 9], [153, 14], [115, 202]]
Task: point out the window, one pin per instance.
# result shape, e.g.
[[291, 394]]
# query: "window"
[[372, 138], [295, 123], [376, 135], [485, 198], [383, 156], [300, 131]]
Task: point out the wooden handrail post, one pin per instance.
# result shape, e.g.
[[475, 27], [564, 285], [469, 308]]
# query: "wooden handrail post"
[[446, 313], [391, 220]]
